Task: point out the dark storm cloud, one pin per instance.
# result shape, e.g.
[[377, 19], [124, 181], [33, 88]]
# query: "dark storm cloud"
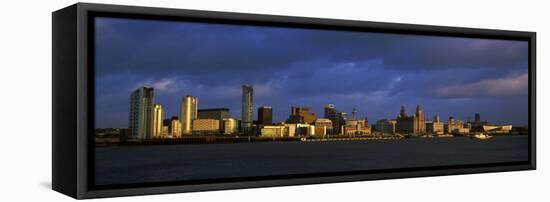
[[140, 46], [373, 72]]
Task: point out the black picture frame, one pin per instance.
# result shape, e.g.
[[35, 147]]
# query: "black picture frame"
[[73, 96]]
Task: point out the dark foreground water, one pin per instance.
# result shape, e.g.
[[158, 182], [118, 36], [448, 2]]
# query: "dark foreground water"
[[138, 164]]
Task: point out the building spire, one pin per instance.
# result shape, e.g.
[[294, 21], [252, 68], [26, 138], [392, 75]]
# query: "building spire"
[[402, 113]]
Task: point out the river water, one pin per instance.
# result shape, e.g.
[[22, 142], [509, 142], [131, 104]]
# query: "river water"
[[161, 163]]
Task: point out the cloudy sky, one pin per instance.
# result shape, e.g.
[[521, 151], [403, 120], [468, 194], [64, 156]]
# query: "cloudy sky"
[[373, 72]]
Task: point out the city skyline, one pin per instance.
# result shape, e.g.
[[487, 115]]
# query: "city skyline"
[[371, 72]]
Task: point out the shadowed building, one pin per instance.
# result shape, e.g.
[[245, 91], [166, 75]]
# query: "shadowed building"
[[247, 103], [141, 113], [215, 113], [338, 118], [386, 126], [188, 113], [265, 115], [477, 125]]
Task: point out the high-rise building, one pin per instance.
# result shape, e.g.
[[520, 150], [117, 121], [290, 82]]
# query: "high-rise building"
[[338, 118], [214, 113], [265, 115], [247, 104], [188, 113], [157, 121], [141, 113]]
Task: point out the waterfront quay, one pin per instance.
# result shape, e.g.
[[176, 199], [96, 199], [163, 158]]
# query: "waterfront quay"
[[102, 142], [219, 139]]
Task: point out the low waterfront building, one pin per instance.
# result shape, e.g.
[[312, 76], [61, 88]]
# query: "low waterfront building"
[[455, 126], [290, 130], [230, 126], [214, 113], [304, 129], [435, 126], [323, 127], [165, 131], [497, 129], [175, 127], [201, 126], [320, 131], [272, 131], [356, 127]]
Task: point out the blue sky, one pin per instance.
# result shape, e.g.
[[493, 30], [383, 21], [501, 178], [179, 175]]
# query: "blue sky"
[[373, 72]]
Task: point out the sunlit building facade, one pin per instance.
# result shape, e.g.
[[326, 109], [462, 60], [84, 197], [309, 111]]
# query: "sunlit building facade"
[[230, 126], [323, 127], [356, 127], [175, 128], [206, 126], [157, 121], [214, 113], [455, 126], [301, 115], [435, 126], [272, 131], [188, 113]]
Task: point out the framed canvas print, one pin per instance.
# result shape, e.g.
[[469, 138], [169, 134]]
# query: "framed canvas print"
[[154, 100]]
